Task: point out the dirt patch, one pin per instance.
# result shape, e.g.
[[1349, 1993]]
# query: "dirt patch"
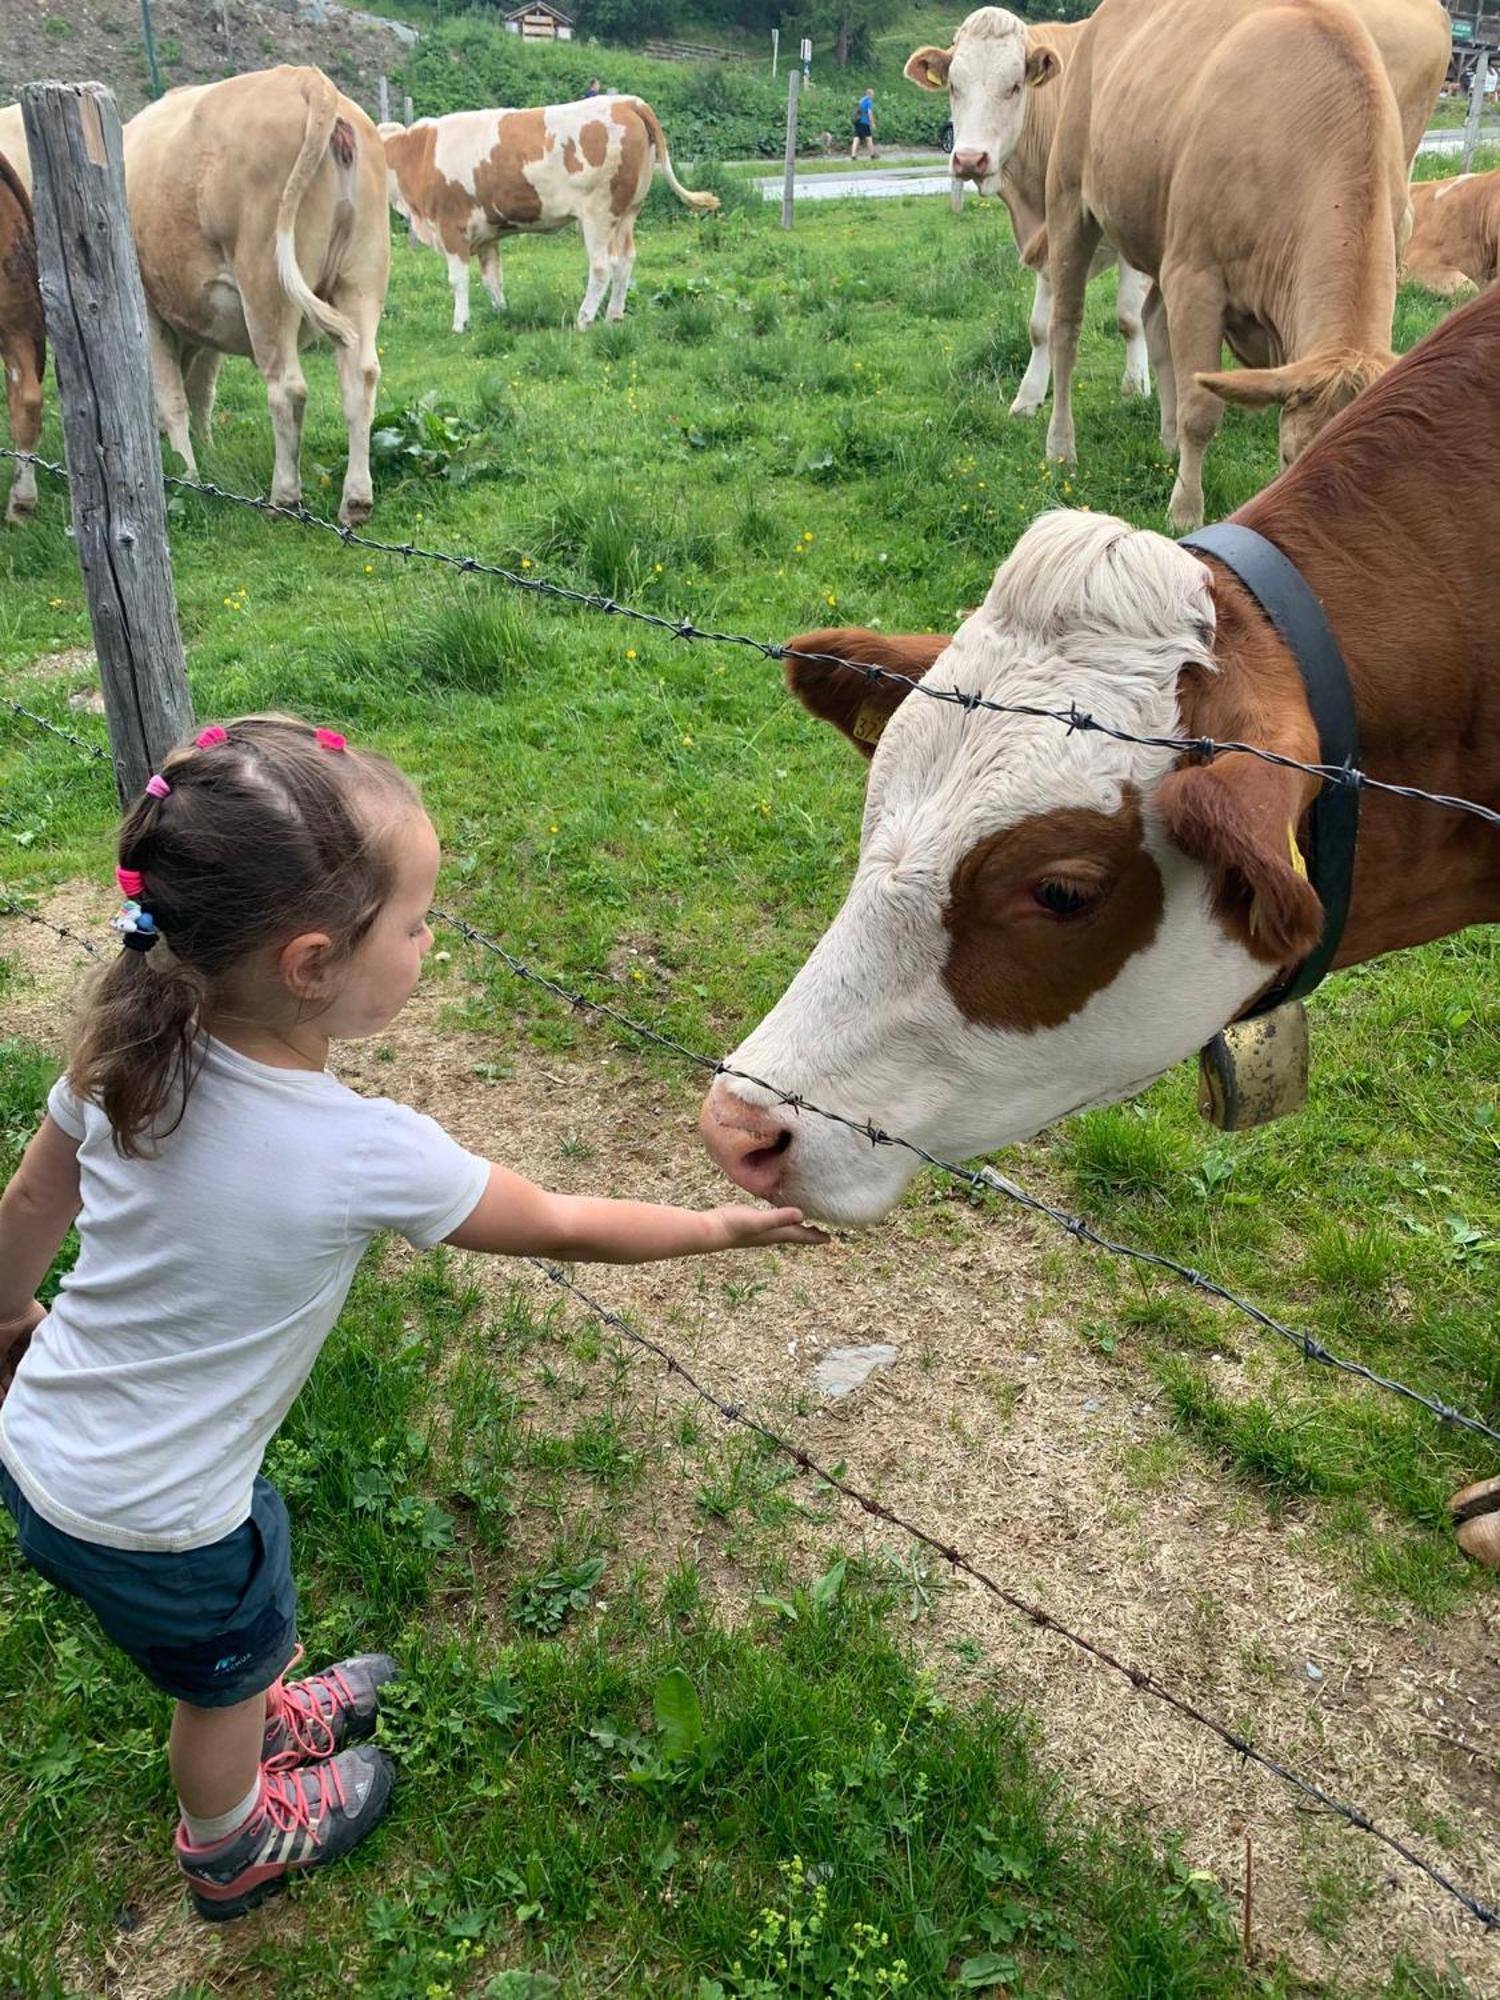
[[101, 39], [999, 1430]]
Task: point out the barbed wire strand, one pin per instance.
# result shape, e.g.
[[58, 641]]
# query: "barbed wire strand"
[[1139, 1678], [55, 729], [9, 904], [986, 1180], [1071, 718]]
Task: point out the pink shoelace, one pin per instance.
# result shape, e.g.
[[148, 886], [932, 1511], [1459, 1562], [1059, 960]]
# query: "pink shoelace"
[[299, 1712], [285, 1803]]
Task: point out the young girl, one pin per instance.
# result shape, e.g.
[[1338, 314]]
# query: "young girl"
[[225, 1187]]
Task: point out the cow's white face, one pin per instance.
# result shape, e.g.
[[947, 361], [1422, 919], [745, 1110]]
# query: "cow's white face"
[[1022, 938], [986, 74]]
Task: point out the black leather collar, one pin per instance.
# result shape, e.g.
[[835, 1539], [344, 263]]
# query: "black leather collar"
[[1283, 593]]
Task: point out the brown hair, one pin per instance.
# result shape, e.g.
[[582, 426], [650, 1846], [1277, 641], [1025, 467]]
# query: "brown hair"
[[264, 833]]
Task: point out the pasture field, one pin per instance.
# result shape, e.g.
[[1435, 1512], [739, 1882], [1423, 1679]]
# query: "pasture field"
[[673, 1723]]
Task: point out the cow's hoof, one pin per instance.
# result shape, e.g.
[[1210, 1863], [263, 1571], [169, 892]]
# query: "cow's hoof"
[[18, 511], [1135, 385], [1062, 451], [1476, 1517], [1184, 514], [1021, 407], [355, 511], [286, 496]]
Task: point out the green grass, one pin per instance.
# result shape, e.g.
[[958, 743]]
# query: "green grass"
[[786, 431]]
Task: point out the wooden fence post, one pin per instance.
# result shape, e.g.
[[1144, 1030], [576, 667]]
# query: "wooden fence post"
[[956, 195], [383, 95], [1476, 107], [408, 115], [788, 186], [96, 321]]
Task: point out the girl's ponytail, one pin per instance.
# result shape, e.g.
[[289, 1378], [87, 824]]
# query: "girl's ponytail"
[[135, 1053]]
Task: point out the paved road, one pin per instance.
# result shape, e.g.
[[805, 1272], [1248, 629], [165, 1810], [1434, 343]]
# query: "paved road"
[[925, 174]]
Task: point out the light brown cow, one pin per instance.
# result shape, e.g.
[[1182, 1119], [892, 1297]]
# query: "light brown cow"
[[13, 143], [259, 213], [23, 338], [466, 180], [1043, 919], [983, 94], [1248, 154], [1455, 233]]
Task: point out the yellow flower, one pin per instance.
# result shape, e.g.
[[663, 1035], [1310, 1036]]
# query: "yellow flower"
[[657, 568], [807, 534], [526, 562], [55, 603], [369, 569], [630, 652], [553, 827], [687, 742], [830, 600]]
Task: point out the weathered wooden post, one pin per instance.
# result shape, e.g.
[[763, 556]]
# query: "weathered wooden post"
[[383, 94], [956, 195], [1476, 107], [788, 186], [96, 321], [408, 115]]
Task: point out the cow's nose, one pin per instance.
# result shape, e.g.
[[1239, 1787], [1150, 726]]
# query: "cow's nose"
[[970, 166], [751, 1145]]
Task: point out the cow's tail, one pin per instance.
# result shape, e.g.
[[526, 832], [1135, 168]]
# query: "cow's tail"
[[325, 132], [23, 262], [658, 138]]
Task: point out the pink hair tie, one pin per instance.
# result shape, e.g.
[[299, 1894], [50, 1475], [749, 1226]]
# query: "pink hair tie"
[[157, 785], [131, 881], [207, 738], [329, 739]]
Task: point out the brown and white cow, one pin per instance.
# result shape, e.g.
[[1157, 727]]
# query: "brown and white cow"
[[13, 143], [1043, 920], [23, 335], [1455, 233], [259, 213], [467, 180], [992, 73], [1249, 155]]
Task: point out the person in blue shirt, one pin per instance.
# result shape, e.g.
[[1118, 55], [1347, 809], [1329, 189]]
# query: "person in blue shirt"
[[864, 126]]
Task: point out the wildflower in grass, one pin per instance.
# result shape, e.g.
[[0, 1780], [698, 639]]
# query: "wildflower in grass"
[[369, 569], [657, 567], [54, 603], [630, 652], [553, 828], [687, 742], [807, 534], [830, 599], [526, 562]]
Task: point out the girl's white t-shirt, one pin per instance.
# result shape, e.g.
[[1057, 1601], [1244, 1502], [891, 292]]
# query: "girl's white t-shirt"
[[207, 1280]]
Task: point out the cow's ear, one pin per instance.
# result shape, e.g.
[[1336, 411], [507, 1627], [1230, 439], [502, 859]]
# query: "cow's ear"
[[857, 706], [1043, 64], [928, 68], [1238, 817]]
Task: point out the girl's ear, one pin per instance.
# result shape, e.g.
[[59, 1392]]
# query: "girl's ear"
[[303, 964]]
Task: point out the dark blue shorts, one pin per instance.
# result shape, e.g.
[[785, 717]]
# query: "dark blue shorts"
[[211, 1626]]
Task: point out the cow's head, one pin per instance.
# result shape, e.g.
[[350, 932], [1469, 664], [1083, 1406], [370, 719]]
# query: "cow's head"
[[986, 74], [1310, 393], [1041, 919]]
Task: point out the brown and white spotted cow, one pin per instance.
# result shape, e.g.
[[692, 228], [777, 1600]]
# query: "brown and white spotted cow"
[[1455, 233], [258, 208], [1043, 920], [23, 337], [466, 180]]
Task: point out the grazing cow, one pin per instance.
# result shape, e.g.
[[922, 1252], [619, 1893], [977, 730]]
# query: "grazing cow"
[[258, 207], [466, 180], [13, 143], [1455, 233], [23, 337], [1248, 155], [994, 69], [1041, 919]]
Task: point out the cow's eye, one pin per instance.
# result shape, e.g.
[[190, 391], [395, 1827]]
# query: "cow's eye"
[[1065, 899]]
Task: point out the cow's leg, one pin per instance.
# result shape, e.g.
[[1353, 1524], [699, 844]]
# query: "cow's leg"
[[23, 394], [490, 272], [596, 236], [1073, 237], [359, 378], [1033, 390], [202, 379], [1131, 289], [171, 396], [621, 264], [458, 278], [1159, 346], [275, 327], [1195, 305]]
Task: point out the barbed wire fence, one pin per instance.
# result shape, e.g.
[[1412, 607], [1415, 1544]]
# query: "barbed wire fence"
[[985, 1181]]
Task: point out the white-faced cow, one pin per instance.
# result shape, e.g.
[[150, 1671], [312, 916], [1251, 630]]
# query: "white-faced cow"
[[23, 337], [13, 143], [465, 181], [1250, 155], [1043, 920], [258, 208], [1455, 233], [993, 75]]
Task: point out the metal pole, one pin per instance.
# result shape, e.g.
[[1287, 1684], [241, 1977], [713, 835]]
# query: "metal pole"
[[775, 50], [956, 195], [1476, 107], [383, 87], [148, 35], [96, 319], [788, 185]]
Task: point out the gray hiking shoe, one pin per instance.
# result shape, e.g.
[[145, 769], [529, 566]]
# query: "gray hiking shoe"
[[311, 1719], [302, 1819]]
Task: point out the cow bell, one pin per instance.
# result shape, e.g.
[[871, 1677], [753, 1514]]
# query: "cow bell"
[[1254, 1071]]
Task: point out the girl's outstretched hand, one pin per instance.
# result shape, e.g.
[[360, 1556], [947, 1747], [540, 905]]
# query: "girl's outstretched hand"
[[741, 1227]]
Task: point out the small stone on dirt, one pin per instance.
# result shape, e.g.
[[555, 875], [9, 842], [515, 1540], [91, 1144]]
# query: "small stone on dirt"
[[844, 1368]]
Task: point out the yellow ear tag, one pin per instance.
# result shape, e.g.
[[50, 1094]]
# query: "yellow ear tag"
[[869, 723], [1295, 851]]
